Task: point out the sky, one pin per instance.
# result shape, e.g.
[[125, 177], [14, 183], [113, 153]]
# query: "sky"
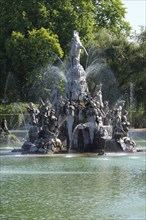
[[136, 13]]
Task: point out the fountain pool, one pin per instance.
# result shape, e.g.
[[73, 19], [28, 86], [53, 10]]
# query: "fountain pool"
[[80, 186]]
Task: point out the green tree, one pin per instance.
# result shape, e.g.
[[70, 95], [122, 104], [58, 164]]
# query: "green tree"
[[35, 32], [42, 82], [128, 62], [32, 32], [140, 71], [38, 48], [99, 69], [110, 14], [27, 54]]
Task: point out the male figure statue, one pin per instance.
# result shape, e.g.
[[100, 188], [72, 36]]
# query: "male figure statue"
[[76, 49]]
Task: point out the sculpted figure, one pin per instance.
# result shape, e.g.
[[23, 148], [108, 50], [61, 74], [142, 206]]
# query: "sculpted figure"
[[43, 114], [125, 122], [76, 49], [107, 118], [4, 126], [33, 113], [117, 124], [98, 95], [53, 121], [54, 96], [120, 104]]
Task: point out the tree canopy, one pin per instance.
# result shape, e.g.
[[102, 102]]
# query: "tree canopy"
[[125, 60], [36, 33], [111, 15]]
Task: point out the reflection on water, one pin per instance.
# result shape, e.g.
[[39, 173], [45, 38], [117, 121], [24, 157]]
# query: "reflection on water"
[[106, 187]]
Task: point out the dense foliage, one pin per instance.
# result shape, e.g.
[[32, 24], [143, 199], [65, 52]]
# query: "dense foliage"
[[36, 34], [15, 113], [127, 61], [109, 14]]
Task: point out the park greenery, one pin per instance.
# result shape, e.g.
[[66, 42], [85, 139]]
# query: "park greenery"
[[35, 43]]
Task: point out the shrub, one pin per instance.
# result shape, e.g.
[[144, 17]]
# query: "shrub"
[[15, 114]]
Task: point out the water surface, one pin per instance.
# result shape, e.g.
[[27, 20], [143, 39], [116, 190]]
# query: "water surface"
[[73, 187]]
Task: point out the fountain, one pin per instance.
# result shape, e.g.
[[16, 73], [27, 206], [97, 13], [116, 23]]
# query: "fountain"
[[78, 121]]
